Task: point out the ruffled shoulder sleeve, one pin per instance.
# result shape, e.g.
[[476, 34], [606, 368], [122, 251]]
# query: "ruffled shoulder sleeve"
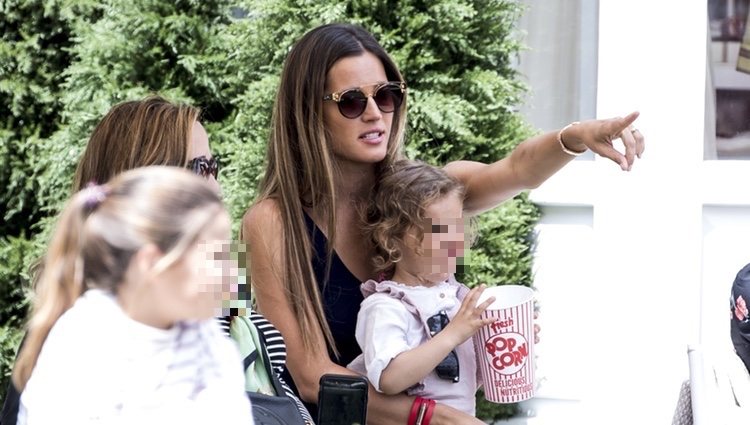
[[392, 289]]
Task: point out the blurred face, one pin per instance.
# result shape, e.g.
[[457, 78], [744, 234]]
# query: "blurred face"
[[191, 289], [443, 241], [199, 147], [364, 139]]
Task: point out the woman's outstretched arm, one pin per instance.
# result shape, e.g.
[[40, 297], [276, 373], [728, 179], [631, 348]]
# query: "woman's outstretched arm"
[[535, 160]]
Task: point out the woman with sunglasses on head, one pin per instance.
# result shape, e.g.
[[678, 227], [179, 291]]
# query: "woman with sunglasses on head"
[[139, 133], [338, 123], [414, 328]]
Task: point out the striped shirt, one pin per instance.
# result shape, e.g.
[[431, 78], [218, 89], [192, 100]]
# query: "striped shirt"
[[276, 349]]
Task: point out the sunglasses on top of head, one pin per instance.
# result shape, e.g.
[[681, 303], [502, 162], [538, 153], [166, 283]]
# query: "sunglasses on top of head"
[[353, 102], [204, 167]]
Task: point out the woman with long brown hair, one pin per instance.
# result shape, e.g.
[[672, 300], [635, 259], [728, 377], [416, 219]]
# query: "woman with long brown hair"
[[338, 121], [139, 133]]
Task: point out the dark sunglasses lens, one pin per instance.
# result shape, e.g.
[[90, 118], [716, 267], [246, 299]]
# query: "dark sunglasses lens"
[[434, 324], [213, 168], [437, 322], [195, 166], [205, 167], [388, 98], [448, 367], [352, 104]]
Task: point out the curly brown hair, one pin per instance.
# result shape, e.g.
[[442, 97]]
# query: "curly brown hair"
[[398, 203]]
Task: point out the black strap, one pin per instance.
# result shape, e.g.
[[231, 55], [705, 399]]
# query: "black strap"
[[269, 367], [9, 414], [247, 361]]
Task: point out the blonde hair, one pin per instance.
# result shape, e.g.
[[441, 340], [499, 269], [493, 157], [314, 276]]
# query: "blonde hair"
[[301, 169], [137, 133], [99, 231], [398, 205]]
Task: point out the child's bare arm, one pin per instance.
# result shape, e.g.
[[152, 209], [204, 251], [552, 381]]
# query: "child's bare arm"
[[413, 365]]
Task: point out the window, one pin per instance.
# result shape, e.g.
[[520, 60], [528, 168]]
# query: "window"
[[728, 81]]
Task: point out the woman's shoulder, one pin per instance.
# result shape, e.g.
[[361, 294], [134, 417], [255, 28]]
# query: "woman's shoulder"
[[268, 209], [263, 216], [265, 206]]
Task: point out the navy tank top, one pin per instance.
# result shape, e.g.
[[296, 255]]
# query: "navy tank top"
[[341, 301]]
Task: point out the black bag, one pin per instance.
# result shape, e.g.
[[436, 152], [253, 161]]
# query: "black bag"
[[278, 409], [274, 410]]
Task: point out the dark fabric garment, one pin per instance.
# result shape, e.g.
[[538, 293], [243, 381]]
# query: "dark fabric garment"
[[341, 301], [341, 297], [741, 347], [739, 327], [9, 415], [10, 406]]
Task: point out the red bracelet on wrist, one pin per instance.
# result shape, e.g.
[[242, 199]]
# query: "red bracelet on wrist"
[[421, 411], [428, 413], [414, 410]]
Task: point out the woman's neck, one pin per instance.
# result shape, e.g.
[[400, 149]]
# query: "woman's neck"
[[352, 185], [354, 181]]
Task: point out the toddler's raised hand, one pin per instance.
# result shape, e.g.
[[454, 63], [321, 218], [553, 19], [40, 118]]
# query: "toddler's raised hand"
[[468, 318]]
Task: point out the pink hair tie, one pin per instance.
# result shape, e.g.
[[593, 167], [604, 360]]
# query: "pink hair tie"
[[94, 195]]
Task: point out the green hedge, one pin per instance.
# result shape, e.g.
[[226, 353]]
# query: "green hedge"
[[64, 63]]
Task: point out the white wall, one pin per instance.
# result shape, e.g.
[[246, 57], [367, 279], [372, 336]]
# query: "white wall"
[[628, 261]]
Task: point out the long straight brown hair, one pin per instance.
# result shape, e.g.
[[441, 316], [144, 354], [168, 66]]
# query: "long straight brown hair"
[[301, 169], [137, 133]]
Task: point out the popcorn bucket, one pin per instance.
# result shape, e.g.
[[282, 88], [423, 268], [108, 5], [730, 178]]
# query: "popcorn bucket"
[[505, 348]]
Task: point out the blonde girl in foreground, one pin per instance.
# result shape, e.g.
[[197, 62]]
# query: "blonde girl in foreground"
[[122, 328]]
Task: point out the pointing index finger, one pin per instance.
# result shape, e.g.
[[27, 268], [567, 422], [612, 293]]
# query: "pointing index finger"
[[627, 121]]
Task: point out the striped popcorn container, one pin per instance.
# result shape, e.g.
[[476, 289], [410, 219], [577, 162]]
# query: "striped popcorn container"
[[505, 348]]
